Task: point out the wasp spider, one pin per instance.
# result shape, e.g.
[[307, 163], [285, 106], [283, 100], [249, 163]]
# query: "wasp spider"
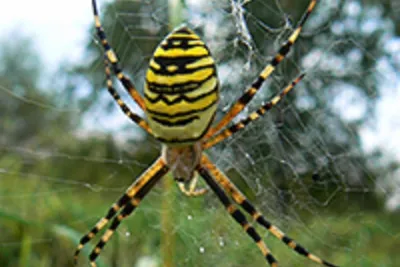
[[180, 101]]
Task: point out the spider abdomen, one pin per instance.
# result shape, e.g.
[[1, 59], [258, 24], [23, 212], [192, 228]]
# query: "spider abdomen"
[[181, 89]]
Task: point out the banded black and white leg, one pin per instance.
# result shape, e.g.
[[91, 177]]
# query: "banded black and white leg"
[[242, 102], [237, 215], [241, 200], [125, 109], [227, 132], [131, 198], [113, 59]]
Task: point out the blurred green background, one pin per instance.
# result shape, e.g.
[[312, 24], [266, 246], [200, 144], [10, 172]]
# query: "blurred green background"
[[67, 152]]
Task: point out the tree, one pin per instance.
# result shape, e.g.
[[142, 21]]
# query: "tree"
[[28, 111]]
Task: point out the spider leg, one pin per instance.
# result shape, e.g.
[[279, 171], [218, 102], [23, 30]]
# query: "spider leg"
[[135, 192], [125, 109], [253, 116], [237, 215], [126, 211], [112, 57], [266, 72], [241, 200]]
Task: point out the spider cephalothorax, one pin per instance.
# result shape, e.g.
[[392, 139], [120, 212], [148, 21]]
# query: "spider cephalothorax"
[[182, 161], [181, 95]]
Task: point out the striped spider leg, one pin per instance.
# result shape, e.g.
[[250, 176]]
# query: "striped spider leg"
[[117, 98], [266, 72], [217, 179], [112, 58], [236, 214], [252, 117], [127, 202]]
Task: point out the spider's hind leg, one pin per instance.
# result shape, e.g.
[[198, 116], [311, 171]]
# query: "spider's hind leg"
[[127, 203], [241, 200], [237, 215], [261, 111]]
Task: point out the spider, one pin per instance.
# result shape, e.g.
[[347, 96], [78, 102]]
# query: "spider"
[[180, 100]]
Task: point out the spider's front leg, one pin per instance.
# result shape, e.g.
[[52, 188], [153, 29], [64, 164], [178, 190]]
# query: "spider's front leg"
[[124, 108], [112, 58], [245, 99]]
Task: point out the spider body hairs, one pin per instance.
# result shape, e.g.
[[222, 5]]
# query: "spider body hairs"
[[180, 101]]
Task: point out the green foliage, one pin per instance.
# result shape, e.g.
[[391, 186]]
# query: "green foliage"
[[26, 109], [44, 232]]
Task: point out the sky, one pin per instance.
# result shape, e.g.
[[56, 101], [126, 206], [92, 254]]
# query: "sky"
[[43, 20], [59, 29]]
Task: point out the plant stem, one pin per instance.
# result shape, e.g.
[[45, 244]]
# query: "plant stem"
[[168, 248]]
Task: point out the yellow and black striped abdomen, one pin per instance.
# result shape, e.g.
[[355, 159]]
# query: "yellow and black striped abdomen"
[[181, 90]]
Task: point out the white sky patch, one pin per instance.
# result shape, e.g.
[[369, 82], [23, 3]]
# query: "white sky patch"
[[387, 128], [59, 28], [60, 33]]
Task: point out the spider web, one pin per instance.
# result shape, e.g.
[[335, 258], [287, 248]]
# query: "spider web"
[[312, 165]]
